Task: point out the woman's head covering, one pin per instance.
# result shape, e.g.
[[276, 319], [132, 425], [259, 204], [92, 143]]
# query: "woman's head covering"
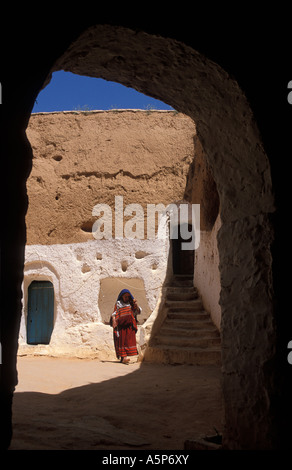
[[124, 291]]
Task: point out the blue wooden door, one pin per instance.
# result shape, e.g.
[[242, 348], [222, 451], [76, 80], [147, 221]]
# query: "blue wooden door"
[[40, 312]]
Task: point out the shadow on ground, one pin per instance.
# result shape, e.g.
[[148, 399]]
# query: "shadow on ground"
[[154, 406]]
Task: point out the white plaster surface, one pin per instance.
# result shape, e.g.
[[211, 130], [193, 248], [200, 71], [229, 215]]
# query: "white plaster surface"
[[207, 274], [76, 271]]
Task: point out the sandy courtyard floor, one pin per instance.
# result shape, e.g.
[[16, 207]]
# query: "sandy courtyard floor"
[[78, 404]]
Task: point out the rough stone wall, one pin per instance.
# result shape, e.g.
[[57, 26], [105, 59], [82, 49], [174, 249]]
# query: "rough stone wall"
[[140, 53], [176, 73], [81, 159], [231, 141]]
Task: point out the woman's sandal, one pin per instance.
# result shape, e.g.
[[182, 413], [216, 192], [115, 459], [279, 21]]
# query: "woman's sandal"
[[124, 360]]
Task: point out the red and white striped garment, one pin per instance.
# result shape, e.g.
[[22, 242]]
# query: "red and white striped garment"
[[125, 332]]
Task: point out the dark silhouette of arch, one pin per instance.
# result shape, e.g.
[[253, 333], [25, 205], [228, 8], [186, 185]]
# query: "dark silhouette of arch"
[[209, 95]]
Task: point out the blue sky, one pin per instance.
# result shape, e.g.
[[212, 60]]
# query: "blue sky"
[[67, 91]]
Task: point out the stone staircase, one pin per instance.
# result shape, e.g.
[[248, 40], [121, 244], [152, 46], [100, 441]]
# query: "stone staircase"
[[187, 335]]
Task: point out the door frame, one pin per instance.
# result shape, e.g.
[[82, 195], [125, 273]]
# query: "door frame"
[[46, 321]]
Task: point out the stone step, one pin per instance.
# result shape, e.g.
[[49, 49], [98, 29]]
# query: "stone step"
[[187, 335], [182, 289], [186, 341], [197, 322], [182, 280], [181, 294], [173, 330], [193, 305], [173, 355], [185, 315]]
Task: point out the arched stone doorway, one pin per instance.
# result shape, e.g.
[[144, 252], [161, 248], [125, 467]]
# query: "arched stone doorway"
[[178, 75], [198, 87]]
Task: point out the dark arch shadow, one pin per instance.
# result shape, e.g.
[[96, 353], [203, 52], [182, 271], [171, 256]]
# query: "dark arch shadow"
[[15, 249], [107, 52], [154, 407]]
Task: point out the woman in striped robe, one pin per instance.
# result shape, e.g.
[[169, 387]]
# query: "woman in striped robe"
[[124, 322]]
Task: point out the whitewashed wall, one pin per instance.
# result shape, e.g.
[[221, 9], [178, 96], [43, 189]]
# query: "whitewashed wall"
[[76, 271]]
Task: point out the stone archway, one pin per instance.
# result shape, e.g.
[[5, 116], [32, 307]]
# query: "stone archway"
[[194, 85], [178, 75]]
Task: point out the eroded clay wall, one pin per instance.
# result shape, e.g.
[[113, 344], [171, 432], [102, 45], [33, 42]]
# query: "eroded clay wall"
[[85, 158]]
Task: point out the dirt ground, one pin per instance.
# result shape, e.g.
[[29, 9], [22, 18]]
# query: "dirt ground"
[[80, 404]]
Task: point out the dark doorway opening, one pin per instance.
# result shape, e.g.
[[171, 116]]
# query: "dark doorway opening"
[[183, 259], [40, 312]]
